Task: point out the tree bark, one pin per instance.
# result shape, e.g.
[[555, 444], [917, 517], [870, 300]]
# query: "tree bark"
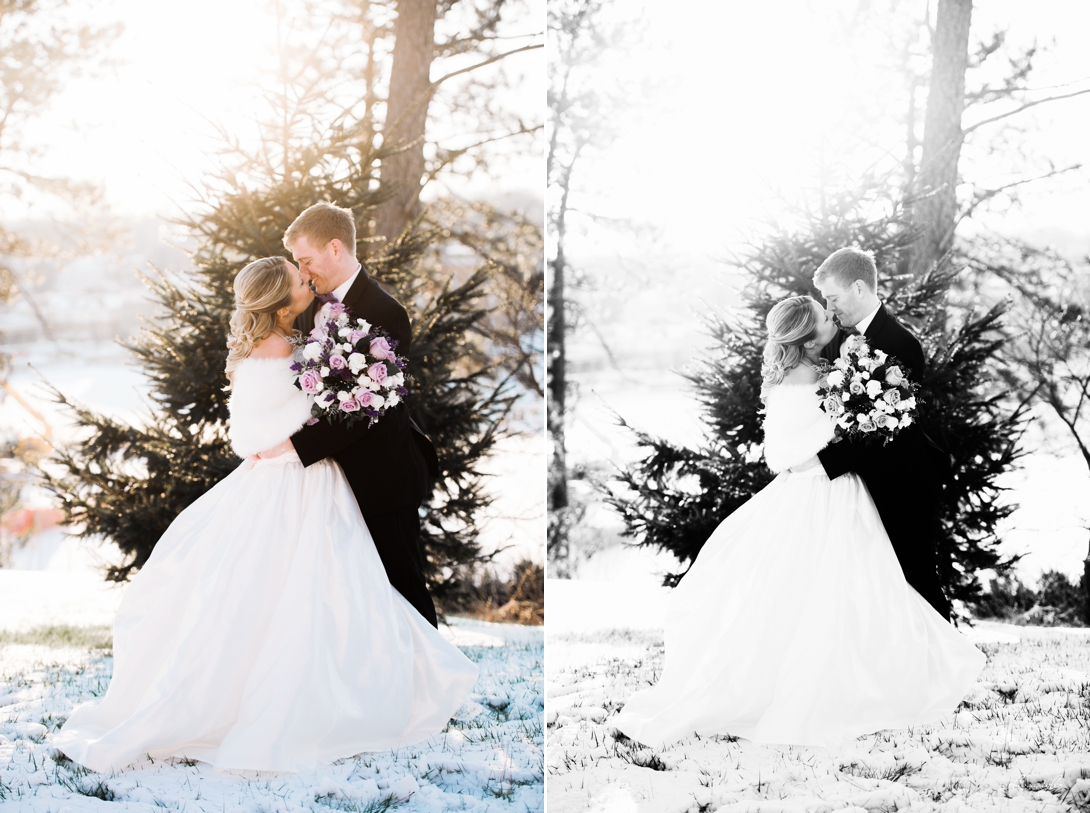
[[557, 364], [407, 115], [935, 209]]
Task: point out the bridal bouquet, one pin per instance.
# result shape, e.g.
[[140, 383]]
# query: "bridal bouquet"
[[350, 367], [867, 393]]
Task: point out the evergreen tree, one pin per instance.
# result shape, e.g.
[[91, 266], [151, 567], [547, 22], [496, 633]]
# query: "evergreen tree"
[[674, 497], [127, 483]]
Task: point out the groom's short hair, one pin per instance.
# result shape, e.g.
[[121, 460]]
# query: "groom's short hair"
[[321, 223], [846, 265]]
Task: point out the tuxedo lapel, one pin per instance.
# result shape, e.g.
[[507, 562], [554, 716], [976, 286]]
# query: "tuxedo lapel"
[[877, 325], [358, 292]]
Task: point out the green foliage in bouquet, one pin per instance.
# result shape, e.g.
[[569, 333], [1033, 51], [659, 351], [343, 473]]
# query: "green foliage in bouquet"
[[674, 497], [128, 482]]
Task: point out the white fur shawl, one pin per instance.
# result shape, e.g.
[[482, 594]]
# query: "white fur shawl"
[[266, 407], [795, 427]]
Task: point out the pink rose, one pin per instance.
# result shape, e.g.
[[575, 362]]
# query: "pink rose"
[[856, 388], [337, 362], [380, 349], [310, 382], [334, 309], [867, 426], [355, 335], [318, 334], [365, 398], [377, 372], [351, 405]]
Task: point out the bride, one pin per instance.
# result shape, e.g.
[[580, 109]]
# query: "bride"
[[263, 634], [795, 624]]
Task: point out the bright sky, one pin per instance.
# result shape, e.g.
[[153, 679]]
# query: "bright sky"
[[145, 129], [748, 93]]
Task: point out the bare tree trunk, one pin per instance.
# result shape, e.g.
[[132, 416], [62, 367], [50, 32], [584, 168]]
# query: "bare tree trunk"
[[935, 210], [557, 543], [407, 114]]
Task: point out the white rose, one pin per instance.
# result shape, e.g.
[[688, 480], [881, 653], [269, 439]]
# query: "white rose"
[[880, 357], [894, 376], [399, 379], [887, 422], [312, 352], [356, 362], [910, 402], [377, 401], [836, 378], [365, 381], [343, 396], [393, 399], [347, 347], [846, 420], [343, 332], [323, 372], [874, 388], [905, 420]]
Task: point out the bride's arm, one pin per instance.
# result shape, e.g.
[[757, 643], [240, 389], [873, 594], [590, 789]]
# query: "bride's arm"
[[275, 451], [806, 465]]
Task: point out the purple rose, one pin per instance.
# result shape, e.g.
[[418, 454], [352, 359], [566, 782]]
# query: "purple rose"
[[337, 362], [377, 372], [311, 382], [351, 405], [380, 349]]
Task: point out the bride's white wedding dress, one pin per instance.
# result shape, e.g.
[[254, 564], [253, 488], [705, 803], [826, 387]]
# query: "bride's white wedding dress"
[[263, 634], [795, 624]]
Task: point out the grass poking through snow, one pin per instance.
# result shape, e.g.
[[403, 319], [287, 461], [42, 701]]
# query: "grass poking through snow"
[[1019, 742]]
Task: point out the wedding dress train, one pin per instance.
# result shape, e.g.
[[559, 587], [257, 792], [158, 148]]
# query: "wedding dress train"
[[263, 634], [795, 624]]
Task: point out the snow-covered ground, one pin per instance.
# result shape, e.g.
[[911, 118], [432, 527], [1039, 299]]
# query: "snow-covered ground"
[[1019, 742], [489, 758]]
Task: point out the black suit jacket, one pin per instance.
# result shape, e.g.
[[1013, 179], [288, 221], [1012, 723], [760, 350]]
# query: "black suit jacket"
[[387, 464]]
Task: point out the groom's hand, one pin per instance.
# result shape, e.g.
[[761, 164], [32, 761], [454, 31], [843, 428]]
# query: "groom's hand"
[[276, 451], [804, 466]]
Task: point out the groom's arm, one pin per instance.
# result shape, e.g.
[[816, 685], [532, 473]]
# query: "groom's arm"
[[324, 439], [838, 458]]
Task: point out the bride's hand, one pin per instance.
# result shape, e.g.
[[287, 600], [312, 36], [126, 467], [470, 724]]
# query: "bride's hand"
[[809, 464], [276, 451]]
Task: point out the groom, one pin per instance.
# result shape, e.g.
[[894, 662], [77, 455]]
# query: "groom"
[[388, 464], [904, 477]]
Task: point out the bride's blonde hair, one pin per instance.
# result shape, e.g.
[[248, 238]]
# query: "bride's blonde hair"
[[791, 323], [261, 289]]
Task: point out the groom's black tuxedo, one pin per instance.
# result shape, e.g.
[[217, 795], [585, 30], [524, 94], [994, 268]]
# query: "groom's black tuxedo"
[[388, 464], [904, 477]]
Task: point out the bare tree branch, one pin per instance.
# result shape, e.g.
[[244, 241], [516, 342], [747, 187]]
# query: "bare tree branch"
[[481, 64], [1024, 107]]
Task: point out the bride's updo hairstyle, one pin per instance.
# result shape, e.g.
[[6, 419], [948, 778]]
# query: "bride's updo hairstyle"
[[791, 323], [261, 289]]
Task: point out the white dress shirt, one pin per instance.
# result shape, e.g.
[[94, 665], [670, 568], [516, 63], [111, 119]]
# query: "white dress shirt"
[[862, 324], [341, 291]]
